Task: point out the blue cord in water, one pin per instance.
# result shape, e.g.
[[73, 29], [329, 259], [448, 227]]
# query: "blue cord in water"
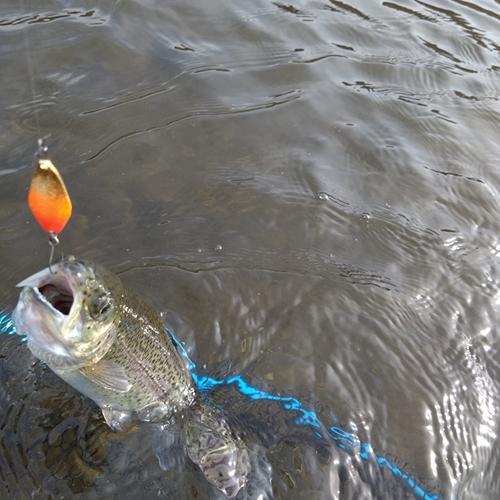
[[6, 325], [307, 417]]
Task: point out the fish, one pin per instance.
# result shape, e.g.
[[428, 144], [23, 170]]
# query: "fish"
[[109, 344]]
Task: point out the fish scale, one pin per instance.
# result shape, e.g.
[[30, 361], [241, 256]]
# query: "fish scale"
[[157, 372]]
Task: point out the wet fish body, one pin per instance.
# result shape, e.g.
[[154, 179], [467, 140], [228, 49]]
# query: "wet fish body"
[[106, 342]]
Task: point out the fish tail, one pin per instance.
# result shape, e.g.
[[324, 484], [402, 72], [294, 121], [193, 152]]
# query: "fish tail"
[[210, 444]]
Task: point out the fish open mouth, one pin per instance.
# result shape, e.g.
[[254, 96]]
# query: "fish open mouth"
[[53, 288], [58, 297], [51, 314]]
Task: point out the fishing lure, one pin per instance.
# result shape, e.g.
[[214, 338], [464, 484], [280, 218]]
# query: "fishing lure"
[[49, 200]]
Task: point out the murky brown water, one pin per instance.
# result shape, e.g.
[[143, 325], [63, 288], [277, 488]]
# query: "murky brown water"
[[312, 187]]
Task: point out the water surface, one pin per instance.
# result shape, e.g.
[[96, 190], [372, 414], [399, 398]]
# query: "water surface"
[[310, 188]]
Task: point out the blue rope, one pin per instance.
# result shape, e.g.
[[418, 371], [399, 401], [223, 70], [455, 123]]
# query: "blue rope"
[[307, 417], [6, 325]]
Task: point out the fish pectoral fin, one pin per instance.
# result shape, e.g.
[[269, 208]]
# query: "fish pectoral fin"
[[116, 419], [109, 375]]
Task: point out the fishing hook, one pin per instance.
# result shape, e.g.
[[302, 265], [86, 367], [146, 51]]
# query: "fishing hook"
[[53, 241]]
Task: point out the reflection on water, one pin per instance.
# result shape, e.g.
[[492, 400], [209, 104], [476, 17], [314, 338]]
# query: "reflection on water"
[[312, 188]]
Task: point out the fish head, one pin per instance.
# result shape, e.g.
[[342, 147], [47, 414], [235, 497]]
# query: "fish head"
[[67, 313]]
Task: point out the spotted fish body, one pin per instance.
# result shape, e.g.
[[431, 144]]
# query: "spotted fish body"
[[106, 342]]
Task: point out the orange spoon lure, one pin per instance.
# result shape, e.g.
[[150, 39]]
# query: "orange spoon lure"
[[49, 200]]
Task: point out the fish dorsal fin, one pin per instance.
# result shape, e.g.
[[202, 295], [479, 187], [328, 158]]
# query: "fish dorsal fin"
[[109, 375]]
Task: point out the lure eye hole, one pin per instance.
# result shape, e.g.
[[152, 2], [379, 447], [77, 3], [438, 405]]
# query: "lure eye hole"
[[100, 306]]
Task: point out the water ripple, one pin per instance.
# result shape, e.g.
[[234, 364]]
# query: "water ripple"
[[91, 17], [272, 101]]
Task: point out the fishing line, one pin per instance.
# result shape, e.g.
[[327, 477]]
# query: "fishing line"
[[29, 63], [48, 198], [43, 163]]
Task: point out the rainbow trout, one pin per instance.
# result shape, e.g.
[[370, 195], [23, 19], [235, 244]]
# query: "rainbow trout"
[[106, 342]]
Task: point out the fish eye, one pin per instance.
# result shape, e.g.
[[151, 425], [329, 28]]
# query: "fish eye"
[[100, 306]]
